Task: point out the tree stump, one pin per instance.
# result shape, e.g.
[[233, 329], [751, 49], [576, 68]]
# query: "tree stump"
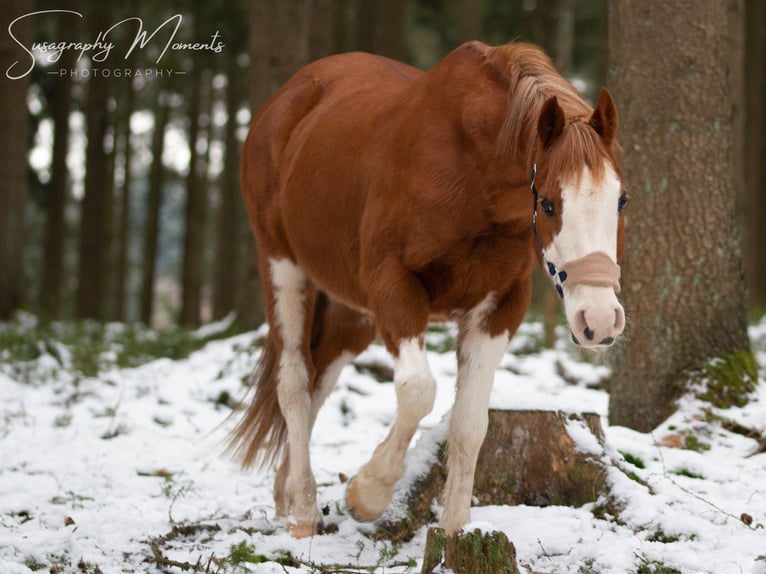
[[536, 458], [469, 552]]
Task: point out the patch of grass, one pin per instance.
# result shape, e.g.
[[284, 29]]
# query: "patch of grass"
[[244, 553], [88, 348], [683, 471], [692, 442], [660, 536], [632, 459], [609, 508], [654, 567]]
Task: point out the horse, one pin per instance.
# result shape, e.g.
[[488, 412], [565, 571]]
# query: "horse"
[[383, 198]]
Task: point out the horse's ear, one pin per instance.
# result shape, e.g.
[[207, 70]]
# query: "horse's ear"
[[551, 122], [604, 118]]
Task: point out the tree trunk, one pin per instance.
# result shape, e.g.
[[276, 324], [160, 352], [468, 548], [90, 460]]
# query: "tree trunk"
[[153, 207], [228, 252], [278, 47], [536, 458], [51, 274], [469, 553], [95, 219], [191, 275], [324, 18], [682, 271], [469, 15], [13, 162], [122, 263], [389, 37], [755, 150]]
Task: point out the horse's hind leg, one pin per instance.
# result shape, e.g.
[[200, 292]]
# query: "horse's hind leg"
[[291, 299], [338, 335]]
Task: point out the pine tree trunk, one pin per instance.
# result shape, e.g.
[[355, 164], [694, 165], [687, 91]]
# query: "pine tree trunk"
[[469, 14], [191, 275], [153, 207], [13, 161], [683, 285], [228, 250], [122, 264], [52, 276], [389, 37], [324, 18], [755, 150], [95, 217]]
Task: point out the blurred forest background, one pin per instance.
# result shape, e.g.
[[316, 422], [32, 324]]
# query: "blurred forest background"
[[123, 203]]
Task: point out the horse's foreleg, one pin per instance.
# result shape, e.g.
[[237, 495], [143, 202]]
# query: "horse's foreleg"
[[295, 495], [483, 337], [371, 490]]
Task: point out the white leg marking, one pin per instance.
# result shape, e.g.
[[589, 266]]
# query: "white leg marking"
[[415, 393], [293, 391], [327, 382], [478, 357]]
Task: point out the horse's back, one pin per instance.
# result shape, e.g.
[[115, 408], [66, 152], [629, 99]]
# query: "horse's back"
[[305, 163]]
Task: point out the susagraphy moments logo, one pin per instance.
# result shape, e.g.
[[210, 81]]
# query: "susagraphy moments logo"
[[105, 57]]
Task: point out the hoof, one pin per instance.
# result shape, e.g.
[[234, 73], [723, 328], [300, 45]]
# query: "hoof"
[[305, 528], [358, 510]]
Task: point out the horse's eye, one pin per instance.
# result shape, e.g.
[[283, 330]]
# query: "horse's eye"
[[547, 206], [622, 202]]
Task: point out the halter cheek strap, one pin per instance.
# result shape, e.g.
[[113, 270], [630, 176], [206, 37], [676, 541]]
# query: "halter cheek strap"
[[595, 269]]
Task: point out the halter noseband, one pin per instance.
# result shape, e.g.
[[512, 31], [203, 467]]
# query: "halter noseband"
[[596, 269]]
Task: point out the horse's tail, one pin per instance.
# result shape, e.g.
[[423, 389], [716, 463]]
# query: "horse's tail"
[[261, 433]]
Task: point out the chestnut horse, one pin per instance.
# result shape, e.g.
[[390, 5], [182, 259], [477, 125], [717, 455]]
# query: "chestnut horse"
[[383, 198]]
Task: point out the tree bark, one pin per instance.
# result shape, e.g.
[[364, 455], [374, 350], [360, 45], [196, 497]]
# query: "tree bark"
[[13, 162], [469, 553], [122, 263], [191, 274], [153, 207], [536, 458], [52, 277], [683, 284], [389, 36], [754, 206], [228, 253], [324, 18], [469, 16], [95, 219]]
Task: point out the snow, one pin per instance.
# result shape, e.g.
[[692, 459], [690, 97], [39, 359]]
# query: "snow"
[[93, 470]]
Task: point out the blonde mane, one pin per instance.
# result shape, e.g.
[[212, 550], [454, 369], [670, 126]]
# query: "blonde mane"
[[533, 79]]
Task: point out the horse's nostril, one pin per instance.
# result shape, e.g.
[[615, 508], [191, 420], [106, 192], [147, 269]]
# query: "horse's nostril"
[[574, 340], [607, 341], [589, 334]]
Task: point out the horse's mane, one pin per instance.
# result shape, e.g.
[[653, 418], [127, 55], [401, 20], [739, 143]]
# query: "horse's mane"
[[533, 79]]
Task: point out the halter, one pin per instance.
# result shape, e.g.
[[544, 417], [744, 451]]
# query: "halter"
[[596, 269]]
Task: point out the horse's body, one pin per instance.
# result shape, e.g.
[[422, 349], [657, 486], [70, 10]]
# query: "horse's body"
[[382, 198]]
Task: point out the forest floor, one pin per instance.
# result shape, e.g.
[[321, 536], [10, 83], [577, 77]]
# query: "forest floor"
[[111, 461]]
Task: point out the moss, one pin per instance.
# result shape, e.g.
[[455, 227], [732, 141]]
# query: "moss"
[[728, 380]]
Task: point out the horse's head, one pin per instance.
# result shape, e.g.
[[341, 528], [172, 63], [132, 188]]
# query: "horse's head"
[[578, 221]]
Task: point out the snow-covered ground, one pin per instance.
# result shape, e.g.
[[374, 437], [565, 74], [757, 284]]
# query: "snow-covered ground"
[[100, 474]]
